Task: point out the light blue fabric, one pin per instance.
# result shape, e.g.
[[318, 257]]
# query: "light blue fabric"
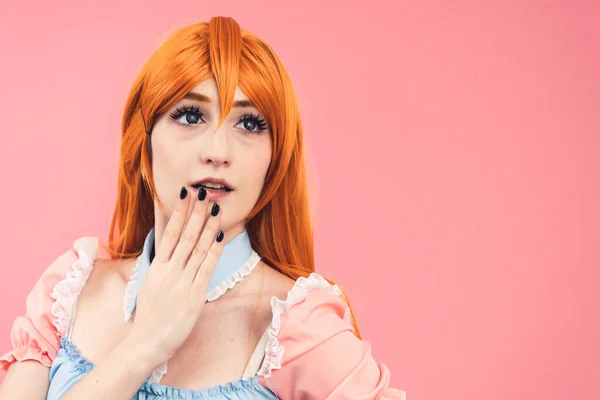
[[69, 366]]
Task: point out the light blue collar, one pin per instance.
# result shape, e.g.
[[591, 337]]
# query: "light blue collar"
[[236, 254]]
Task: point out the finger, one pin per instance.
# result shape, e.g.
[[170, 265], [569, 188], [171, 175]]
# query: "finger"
[[192, 231], [204, 272], [202, 250], [193, 197], [172, 231]]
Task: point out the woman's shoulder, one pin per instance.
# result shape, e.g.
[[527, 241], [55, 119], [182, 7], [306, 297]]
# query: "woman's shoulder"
[[86, 266], [304, 293], [285, 293], [76, 262]]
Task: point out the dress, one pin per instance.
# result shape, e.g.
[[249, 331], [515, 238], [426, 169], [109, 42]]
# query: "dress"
[[309, 350]]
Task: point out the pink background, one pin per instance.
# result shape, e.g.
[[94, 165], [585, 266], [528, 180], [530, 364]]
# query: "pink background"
[[456, 145]]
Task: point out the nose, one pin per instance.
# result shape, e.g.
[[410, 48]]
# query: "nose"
[[215, 148]]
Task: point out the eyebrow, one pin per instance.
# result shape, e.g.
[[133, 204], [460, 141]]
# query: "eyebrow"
[[205, 99]]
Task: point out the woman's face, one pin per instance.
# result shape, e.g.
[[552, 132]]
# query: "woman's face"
[[187, 148]]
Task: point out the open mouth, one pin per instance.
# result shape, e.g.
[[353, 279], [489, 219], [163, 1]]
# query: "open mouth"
[[218, 188]]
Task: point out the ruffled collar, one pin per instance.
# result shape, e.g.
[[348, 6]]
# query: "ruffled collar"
[[237, 260]]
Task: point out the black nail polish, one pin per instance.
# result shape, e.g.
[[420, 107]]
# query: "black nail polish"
[[201, 194], [215, 210], [183, 193], [220, 236]]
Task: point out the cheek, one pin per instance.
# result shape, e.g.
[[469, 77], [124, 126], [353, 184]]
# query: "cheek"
[[259, 164], [254, 168], [162, 164], [167, 170], [169, 154]]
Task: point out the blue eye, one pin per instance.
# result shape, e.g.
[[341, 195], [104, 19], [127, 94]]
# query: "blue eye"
[[253, 123], [187, 115]]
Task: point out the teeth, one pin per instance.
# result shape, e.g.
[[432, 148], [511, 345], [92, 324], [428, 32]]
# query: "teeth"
[[213, 186]]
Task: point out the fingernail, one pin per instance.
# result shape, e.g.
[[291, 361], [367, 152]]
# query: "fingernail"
[[201, 194], [220, 236], [183, 193], [215, 210]]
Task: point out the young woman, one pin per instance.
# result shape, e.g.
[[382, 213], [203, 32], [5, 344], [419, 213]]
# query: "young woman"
[[206, 288]]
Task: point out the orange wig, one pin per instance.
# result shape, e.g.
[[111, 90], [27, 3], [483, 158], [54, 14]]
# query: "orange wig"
[[279, 226]]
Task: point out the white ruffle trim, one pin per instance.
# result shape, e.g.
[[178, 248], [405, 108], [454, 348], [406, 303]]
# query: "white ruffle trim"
[[65, 293], [129, 298], [274, 352], [234, 278], [158, 373]]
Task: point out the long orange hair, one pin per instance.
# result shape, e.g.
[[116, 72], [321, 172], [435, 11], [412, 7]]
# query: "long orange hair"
[[279, 226]]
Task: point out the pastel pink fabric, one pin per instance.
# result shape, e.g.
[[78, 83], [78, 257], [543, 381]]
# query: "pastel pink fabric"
[[34, 336], [323, 359]]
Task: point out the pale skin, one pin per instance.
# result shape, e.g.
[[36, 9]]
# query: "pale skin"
[[206, 344]]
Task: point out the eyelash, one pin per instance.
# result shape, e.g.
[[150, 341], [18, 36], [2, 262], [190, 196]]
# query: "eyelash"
[[261, 123]]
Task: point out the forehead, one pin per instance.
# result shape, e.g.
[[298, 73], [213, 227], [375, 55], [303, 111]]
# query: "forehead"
[[208, 87]]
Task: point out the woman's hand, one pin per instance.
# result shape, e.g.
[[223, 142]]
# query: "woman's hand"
[[169, 303], [173, 293]]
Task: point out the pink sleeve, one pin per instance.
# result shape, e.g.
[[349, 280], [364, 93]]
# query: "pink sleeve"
[[34, 336], [321, 358]]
